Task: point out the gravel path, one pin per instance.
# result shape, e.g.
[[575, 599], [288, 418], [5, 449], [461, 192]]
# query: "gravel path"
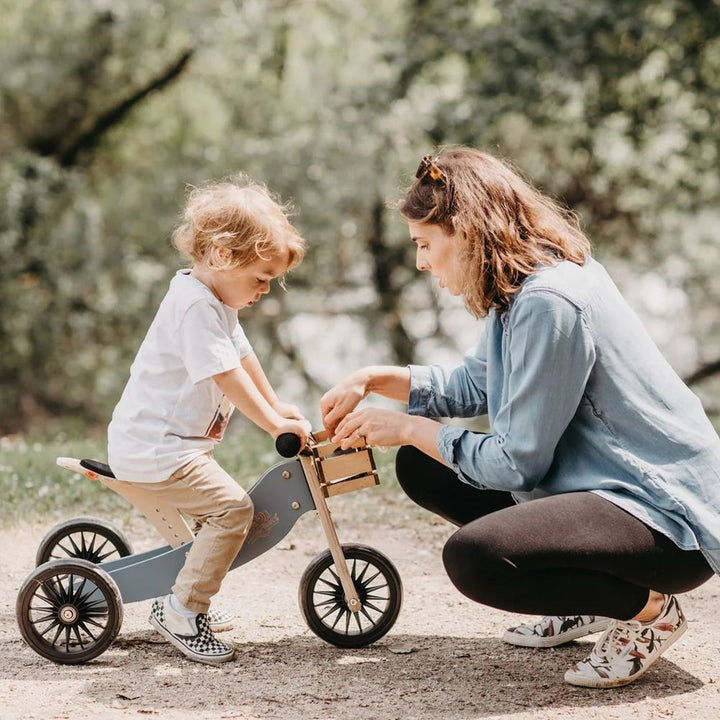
[[443, 660]]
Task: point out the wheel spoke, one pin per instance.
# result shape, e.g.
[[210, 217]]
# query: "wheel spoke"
[[356, 615], [95, 606], [91, 547], [50, 627], [367, 615], [83, 544], [46, 618], [67, 638], [370, 579], [328, 583], [76, 594], [85, 599], [102, 558], [329, 601], [62, 589], [76, 550], [337, 608], [104, 543], [55, 586], [77, 635], [93, 622], [342, 612], [57, 635], [362, 574], [86, 629], [48, 608], [372, 607], [384, 598], [42, 599], [46, 592], [68, 553]]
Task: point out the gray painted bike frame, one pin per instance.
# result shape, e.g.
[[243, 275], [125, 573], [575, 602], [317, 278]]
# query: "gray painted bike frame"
[[280, 497]]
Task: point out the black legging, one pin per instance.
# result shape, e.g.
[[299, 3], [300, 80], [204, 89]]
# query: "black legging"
[[572, 554]]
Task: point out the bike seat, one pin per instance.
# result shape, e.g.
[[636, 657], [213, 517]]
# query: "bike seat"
[[98, 467]]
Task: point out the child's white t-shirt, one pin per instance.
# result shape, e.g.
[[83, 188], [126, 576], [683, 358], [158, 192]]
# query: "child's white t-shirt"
[[172, 410]]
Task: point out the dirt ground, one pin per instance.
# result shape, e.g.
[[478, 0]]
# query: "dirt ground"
[[442, 660]]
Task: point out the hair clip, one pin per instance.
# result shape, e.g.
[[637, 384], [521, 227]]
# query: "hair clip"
[[427, 166]]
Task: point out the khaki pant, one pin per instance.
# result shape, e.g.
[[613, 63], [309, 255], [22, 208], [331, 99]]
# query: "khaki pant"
[[203, 491]]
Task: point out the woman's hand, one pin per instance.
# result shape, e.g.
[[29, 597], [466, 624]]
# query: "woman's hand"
[[342, 399], [374, 426]]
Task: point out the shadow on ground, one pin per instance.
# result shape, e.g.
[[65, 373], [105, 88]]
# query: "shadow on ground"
[[443, 678]]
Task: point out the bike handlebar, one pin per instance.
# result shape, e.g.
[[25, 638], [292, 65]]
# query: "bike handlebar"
[[287, 445]]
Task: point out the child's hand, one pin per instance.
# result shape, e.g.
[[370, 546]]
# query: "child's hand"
[[286, 410], [301, 428]]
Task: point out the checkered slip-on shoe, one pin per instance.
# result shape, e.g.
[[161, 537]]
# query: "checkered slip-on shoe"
[[555, 630], [220, 620], [192, 636], [627, 649]]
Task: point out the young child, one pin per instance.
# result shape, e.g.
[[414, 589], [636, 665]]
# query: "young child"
[[193, 367]]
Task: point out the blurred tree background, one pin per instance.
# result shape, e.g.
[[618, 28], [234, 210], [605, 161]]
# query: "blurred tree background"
[[109, 109]]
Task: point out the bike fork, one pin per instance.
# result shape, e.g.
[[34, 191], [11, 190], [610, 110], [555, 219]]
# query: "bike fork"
[[351, 596]]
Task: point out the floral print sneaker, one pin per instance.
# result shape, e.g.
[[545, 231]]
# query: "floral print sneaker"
[[192, 636], [555, 630], [627, 649]]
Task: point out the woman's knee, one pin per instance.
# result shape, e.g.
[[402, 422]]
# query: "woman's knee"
[[475, 567]]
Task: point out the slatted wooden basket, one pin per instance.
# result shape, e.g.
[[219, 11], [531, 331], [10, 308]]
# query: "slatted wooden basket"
[[342, 471]]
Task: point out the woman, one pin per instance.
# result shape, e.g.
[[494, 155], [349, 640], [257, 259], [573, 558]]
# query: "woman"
[[597, 490]]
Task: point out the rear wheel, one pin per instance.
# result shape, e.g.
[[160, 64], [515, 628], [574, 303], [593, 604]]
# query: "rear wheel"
[[86, 538], [69, 611]]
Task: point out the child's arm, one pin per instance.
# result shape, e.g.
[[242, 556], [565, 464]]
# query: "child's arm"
[[252, 367], [242, 391]]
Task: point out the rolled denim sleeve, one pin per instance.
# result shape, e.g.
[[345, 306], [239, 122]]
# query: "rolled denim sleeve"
[[460, 392], [549, 356]]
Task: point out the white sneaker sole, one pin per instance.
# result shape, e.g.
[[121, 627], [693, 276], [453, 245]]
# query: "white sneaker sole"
[[597, 682], [221, 627], [187, 651], [534, 641]]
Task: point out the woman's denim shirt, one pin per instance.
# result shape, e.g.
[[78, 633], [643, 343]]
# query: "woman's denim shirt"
[[579, 398]]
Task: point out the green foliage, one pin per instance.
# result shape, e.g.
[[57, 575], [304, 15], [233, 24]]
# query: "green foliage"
[[108, 110]]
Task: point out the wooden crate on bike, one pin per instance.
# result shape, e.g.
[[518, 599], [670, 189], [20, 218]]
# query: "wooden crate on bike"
[[343, 471]]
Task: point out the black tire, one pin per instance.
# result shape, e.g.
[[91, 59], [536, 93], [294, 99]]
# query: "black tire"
[[69, 611], [323, 605], [85, 538]]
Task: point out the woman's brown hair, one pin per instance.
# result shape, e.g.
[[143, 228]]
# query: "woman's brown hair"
[[506, 227]]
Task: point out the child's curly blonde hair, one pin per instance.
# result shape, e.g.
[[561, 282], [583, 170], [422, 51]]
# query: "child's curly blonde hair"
[[235, 222]]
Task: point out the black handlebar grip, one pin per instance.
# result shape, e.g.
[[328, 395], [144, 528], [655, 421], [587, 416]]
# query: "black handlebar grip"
[[287, 445]]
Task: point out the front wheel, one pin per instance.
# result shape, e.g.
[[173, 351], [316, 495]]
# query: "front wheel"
[[69, 611], [323, 604]]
